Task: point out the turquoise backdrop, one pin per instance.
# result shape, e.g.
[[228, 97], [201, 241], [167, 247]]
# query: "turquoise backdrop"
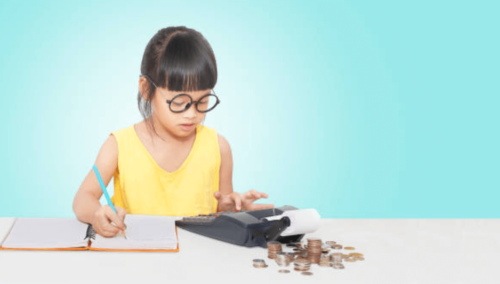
[[360, 109]]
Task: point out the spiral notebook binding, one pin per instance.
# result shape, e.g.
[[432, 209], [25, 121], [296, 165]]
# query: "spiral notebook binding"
[[90, 233]]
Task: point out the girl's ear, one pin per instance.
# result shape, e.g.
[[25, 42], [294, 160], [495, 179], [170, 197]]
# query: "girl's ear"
[[144, 87]]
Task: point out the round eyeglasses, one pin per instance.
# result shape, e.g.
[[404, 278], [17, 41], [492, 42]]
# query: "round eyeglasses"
[[182, 102]]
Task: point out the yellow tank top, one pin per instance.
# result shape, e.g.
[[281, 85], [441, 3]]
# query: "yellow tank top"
[[142, 187]]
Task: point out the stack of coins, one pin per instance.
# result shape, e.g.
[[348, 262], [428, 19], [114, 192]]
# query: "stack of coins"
[[282, 258], [301, 264], [259, 263], [291, 256], [313, 250], [336, 257], [324, 260], [273, 248], [336, 260]]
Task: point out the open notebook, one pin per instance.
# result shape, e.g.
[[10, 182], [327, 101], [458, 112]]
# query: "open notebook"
[[144, 233]]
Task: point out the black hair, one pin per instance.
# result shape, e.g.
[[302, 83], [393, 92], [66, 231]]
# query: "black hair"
[[179, 59]]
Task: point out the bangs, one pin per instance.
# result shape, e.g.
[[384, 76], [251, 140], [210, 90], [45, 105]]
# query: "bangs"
[[187, 65]]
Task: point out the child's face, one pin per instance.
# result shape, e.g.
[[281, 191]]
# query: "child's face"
[[180, 124]]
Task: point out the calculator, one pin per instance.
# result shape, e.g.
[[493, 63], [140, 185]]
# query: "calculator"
[[245, 228]]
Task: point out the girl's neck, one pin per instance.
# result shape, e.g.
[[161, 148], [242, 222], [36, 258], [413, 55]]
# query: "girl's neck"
[[161, 134]]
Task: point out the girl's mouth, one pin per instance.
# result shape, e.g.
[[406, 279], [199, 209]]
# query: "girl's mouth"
[[187, 127]]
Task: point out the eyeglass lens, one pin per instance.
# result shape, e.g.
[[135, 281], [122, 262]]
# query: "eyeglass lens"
[[183, 102]]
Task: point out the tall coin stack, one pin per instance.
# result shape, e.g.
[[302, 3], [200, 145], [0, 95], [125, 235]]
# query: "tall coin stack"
[[273, 247], [313, 250]]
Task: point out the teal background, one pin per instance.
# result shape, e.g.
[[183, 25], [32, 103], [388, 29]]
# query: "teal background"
[[360, 109]]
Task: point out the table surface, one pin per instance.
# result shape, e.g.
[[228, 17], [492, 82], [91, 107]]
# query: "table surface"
[[395, 250]]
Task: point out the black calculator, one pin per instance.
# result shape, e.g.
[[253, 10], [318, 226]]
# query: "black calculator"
[[245, 228]]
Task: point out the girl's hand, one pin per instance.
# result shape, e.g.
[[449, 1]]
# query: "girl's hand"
[[107, 223], [236, 202]]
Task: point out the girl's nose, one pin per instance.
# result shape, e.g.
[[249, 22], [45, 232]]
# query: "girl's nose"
[[191, 111]]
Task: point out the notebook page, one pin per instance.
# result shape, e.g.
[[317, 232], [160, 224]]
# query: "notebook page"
[[46, 233], [143, 232]]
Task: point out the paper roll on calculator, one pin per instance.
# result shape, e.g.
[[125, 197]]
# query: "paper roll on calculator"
[[301, 221]]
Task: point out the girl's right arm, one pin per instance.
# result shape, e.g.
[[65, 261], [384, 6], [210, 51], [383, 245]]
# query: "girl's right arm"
[[86, 204]]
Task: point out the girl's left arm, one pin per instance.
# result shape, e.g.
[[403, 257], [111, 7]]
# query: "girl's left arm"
[[226, 197]]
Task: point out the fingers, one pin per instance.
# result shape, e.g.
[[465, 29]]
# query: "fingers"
[[254, 195], [109, 231], [237, 200], [113, 217], [217, 195], [121, 214], [261, 206]]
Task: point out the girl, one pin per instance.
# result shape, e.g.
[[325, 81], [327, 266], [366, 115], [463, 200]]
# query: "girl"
[[169, 163]]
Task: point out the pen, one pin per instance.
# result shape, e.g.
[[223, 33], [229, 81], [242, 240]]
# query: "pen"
[[103, 187]]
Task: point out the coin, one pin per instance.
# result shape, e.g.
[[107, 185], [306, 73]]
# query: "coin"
[[259, 263], [338, 266], [284, 271], [307, 273], [349, 248], [356, 254]]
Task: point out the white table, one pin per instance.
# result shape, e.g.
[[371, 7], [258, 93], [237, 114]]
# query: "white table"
[[395, 250]]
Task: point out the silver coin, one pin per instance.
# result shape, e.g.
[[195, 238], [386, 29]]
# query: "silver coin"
[[258, 260], [338, 266], [307, 273], [284, 271]]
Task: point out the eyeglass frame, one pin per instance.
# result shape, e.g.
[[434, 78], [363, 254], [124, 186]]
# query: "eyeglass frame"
[[169, 102]]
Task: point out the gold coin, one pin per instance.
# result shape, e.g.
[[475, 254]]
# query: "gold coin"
[[360, 258], [350, 259], [356, 254], [349, 248]]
